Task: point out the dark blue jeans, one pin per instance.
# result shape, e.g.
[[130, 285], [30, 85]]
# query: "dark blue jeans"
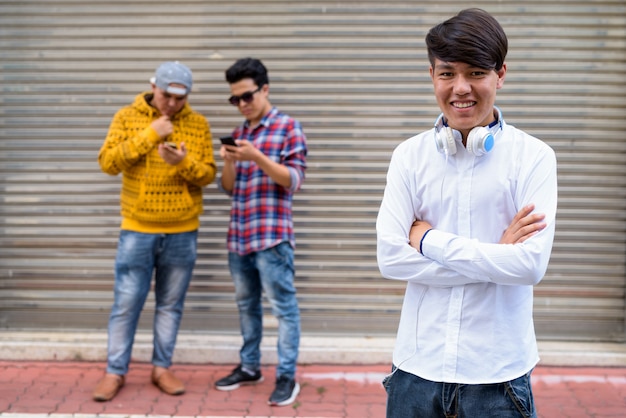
[[409, 396]]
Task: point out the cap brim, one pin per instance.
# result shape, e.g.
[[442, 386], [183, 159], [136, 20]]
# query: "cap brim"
[[179, 91]]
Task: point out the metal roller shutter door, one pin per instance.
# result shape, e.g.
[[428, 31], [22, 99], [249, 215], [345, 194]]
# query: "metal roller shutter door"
[[355, 74]]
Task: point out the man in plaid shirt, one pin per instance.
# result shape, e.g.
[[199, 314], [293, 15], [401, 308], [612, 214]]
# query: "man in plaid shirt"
[[261, 174]]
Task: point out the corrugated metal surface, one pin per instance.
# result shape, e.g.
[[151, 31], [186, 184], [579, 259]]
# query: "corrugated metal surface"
[[355, 74]]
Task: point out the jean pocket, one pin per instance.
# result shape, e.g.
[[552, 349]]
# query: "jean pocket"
[[387, 379], [283, 251], [520, 393]]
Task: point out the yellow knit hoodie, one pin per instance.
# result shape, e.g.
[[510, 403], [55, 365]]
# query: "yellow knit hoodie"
[[157, 197]]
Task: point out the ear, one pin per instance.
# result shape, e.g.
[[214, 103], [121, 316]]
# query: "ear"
[[265, 92], [501, 74], [431, 71]]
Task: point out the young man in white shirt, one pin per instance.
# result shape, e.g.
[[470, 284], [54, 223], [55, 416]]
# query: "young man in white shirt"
[[467, 220]]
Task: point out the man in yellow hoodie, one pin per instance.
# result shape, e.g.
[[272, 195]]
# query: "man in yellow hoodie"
[[163, 148]]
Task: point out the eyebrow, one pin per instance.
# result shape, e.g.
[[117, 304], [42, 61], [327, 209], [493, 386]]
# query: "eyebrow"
[[470, 67], [444, 65]]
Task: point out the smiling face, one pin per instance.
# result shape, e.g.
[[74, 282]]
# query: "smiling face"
[[466, 94]]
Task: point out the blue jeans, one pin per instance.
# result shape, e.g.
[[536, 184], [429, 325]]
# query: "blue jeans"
[[409, 396], [270, 271], [172, 258]]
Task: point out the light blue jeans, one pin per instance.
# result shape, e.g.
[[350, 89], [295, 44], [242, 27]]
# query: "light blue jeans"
[[171, 257], [270, 271], [410, 396]]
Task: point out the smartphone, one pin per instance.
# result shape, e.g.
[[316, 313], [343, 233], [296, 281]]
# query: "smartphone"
[[171, 144], [228, 140]]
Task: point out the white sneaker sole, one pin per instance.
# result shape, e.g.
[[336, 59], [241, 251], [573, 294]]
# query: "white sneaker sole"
[[238, 385], [289, 401]]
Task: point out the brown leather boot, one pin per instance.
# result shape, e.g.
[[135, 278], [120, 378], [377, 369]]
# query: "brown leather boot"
[[108, 387], [167, 382]]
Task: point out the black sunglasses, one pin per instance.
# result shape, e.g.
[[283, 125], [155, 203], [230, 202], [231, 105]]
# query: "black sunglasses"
[[247, 97]]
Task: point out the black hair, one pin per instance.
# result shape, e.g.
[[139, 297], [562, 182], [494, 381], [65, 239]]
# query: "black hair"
[[248, 68], [473, 36]]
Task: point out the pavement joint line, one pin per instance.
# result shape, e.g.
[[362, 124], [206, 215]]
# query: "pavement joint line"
[[557, 379], [547, 378], [365, 378]]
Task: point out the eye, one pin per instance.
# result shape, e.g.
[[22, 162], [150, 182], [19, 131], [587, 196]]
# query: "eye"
[[478, 73]]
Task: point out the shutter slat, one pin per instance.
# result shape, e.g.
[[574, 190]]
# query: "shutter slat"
[[355, 73]]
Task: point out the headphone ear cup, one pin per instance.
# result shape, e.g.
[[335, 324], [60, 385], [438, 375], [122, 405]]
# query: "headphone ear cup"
[[445, 141], [480, 141]]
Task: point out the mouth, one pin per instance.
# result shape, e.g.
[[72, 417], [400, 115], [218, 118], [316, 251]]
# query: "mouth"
[[463, 105]]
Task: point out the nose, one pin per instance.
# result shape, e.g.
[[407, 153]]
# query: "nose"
[[462, 86]]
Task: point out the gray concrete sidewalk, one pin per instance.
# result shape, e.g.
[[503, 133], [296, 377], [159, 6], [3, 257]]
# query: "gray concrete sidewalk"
[[196, 348]]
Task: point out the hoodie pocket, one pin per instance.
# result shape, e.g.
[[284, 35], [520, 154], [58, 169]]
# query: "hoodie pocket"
[[164, 201]]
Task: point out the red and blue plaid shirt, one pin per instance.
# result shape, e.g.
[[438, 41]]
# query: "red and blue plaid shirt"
[[261, 215]]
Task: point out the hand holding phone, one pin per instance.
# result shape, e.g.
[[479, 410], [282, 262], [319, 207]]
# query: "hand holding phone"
[[228, 140]]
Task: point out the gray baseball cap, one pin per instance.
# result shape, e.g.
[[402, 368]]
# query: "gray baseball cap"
[[176, 73]]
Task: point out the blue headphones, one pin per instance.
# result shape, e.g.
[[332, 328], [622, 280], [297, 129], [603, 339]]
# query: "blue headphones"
[[479, 141]]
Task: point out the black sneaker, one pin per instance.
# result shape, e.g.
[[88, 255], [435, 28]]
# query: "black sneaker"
[[237, 378], [285, 393]]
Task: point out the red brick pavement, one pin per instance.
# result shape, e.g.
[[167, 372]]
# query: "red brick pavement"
[[63, 389]]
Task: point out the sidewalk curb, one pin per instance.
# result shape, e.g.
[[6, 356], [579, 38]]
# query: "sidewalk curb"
[[195, 348]]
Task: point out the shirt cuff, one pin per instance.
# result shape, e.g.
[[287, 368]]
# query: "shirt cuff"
[[295, 177], [434, 243]]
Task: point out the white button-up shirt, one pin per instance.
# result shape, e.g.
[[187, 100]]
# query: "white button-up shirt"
[[467, 311]]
